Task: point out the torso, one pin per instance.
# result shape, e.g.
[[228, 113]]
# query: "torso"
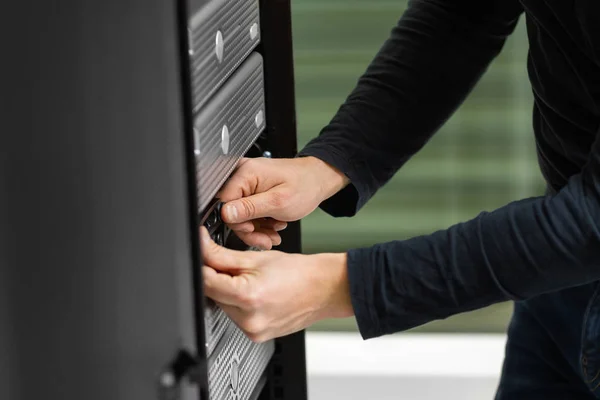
[[564, 69]]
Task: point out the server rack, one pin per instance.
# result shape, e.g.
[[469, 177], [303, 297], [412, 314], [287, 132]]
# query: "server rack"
[[101, 199]]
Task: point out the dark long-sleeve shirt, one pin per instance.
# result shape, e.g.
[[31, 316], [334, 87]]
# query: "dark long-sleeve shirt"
[[433, 58]]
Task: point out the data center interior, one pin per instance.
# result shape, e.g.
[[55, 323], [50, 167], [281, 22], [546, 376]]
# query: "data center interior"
[[150, 104]]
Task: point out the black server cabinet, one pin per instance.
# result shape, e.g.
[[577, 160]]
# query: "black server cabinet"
[[100, 295]]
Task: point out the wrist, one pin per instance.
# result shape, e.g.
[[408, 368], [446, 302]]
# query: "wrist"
[[331, 179], [332, 274]]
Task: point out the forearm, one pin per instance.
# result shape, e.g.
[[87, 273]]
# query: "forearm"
[[433, 58], [519, 251], [332, 273]]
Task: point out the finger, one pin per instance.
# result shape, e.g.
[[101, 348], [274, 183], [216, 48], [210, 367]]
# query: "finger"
[[223, 259], [265, 227], [264, 239], [279, 226], [256, 239], [220, 287], [260, 205], [265, 223], [271, 234], [230, 189], [269, 223], [239, 184], [246, 227]]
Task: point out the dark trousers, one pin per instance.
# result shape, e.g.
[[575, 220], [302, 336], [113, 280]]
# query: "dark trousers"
[[553, 348]]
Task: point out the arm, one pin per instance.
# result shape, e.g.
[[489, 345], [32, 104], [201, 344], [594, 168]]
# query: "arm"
[[521, 250], [433, 58]]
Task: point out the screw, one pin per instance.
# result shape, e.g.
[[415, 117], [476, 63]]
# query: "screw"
[[267, 154], [254, 31], [259, 119], [225, 139], [219, 46]]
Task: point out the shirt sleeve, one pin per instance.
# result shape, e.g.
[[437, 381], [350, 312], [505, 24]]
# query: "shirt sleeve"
[[434, 56], [524, 249]]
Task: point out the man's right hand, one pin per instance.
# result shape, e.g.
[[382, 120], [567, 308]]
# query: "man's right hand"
[[264, 194]]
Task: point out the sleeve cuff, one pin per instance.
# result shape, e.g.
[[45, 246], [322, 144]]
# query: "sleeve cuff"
[[362, 281], [348, 201]]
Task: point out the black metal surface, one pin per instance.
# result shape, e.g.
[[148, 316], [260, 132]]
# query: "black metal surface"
[[287, 372], [185, 74], [94, 228], [195, 5]]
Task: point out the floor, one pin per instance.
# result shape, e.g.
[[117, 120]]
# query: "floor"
[[403, 367]]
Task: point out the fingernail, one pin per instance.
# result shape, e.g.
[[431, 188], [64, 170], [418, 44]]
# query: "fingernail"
[[231, 213], [279, 226]]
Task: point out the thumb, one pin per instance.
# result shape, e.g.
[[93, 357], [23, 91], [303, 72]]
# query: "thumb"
[[262, 205], [223, 259]]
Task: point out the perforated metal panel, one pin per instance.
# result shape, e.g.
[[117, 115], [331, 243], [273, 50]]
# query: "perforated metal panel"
[[216, 325], [222, 35], [237, 366], [228, 126]]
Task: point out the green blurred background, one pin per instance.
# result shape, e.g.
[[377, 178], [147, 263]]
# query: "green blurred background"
[[483, 158]]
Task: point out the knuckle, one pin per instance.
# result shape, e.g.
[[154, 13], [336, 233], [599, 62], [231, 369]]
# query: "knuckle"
[[255, 299], [214, 249], [248, 164], [279, 199], [257, 338], [248, 207], [236, 293], [248, 171], [265, 244], [252, 299], [252, 327], [243, 261], [207, 284]]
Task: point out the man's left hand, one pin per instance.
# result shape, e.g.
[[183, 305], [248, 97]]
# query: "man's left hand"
[[271, 294]]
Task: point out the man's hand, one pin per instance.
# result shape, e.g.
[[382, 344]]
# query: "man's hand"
[[264, 194], [272, 294]]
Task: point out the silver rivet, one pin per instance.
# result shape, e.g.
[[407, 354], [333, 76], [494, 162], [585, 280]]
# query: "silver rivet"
[[225, 139], [254, 31], [235, 376], [219, 46], [259, 119], [267, 154]]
